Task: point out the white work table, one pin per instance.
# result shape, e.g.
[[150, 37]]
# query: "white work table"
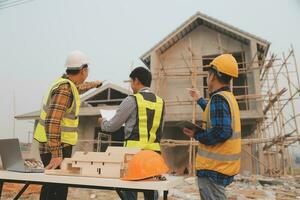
[[87, 182]]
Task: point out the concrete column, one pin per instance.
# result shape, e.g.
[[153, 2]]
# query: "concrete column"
[[256, 75]]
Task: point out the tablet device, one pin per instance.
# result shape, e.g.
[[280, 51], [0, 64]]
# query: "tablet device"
[[189, 125]]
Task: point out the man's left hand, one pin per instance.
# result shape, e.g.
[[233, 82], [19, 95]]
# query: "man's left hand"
[[189, 132], [100, 119], [99, 83], [54, 163]]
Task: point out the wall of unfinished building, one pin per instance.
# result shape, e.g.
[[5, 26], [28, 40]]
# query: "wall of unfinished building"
[[202, 42], [90, 136], [248, 164], [86, 131]]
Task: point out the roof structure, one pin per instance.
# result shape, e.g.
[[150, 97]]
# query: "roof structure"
[[202, 19]]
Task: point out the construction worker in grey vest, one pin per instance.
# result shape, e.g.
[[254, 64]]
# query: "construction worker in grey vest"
[[142, 113]]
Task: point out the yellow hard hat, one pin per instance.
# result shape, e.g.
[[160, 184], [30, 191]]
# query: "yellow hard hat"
[[145, 164], [226, 64]]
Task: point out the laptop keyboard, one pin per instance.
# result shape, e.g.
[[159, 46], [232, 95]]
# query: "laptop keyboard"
[[33, 165]]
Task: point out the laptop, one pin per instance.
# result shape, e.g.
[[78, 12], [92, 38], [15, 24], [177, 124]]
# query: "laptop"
[[12, 160]]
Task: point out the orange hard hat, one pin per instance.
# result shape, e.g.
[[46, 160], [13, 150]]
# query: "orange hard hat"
[[145, 164]]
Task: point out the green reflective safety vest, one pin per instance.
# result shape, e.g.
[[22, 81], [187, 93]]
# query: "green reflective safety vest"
[[69, 123], [147, 132]]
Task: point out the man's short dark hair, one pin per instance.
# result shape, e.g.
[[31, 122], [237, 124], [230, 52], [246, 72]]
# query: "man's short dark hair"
[[143, 75], [75, 71], [223, 78]]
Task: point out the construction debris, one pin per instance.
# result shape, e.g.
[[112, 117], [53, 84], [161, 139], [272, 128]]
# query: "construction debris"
[[246, 187], [259, 187]]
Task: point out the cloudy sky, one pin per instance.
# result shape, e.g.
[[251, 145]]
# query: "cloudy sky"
[[36, 36]]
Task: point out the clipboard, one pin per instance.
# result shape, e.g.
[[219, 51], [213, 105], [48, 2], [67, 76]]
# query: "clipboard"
[[189, 125], [107, 114]]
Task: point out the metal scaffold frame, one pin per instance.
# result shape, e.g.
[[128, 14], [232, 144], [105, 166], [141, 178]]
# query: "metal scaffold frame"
[[277, 130]]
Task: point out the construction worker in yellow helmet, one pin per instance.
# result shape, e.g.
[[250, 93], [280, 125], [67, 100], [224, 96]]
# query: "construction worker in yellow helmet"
[[56, 130], [219, 152]]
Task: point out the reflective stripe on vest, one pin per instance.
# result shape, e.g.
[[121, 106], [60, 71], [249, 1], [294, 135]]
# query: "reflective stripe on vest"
[[67, 115], [63, 128], [219, 157], [223, 157], [69, 123], [142, 106]]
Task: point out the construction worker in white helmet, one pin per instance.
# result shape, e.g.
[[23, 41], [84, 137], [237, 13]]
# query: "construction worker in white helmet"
[[56, 130], [219, 151]]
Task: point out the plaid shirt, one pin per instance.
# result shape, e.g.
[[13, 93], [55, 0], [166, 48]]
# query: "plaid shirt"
[[61, 100], [219, 132]]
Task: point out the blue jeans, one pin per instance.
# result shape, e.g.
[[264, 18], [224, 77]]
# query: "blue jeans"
[[209, 190], [132, 195]]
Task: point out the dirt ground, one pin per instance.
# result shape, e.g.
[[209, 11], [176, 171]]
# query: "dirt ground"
[[32, 193], [243, 188]]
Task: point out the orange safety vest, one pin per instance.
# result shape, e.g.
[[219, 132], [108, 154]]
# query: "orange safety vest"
[[224, 157]]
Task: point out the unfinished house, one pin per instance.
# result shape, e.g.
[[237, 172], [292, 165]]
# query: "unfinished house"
[[108, 164], [107, 97], [179, 61]]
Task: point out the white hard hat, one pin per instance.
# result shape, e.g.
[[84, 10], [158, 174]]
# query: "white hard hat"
[[76, 59]]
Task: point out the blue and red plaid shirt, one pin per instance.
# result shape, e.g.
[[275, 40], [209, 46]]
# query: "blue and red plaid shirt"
[[221, 130]]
